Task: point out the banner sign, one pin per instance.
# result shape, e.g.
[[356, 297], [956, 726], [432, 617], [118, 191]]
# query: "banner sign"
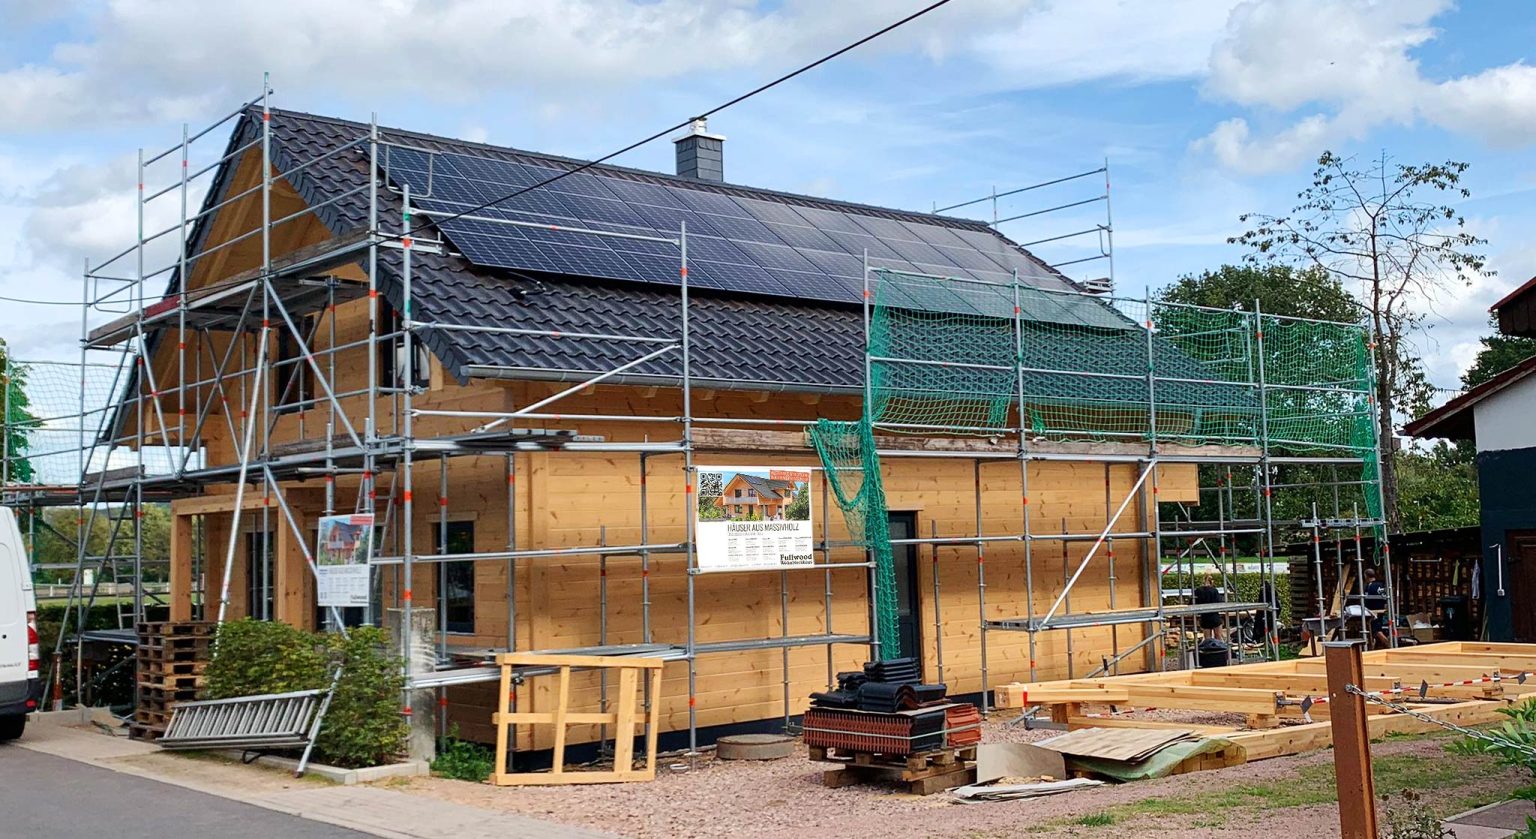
[[753, 518], [341, 560]]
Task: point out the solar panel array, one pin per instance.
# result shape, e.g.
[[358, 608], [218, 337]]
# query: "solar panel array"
[[735, 243]]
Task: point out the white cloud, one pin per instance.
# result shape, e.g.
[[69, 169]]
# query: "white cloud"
[[1064, 43], [1352, 66], [1497, 105], [173, 60], [1232, 144]]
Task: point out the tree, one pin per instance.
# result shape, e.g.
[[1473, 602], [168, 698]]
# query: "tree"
[[18, 419], [1437, 488], [1304, 292], [799, 507], [1370, 226], [1499, 353], [1279, 289]]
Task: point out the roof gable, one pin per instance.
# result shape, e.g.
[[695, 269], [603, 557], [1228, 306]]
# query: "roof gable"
[[1454, 419]]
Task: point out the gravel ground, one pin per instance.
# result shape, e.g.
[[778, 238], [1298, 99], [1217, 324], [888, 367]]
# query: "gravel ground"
[[785, 798]]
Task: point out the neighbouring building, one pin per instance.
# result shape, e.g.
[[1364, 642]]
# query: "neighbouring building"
[[1499, 418]]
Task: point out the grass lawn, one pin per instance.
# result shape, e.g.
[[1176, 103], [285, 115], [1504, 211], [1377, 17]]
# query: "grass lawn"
[[1455, 781]]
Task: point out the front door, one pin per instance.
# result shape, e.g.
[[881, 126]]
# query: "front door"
[[909, 609], [1520, 577]]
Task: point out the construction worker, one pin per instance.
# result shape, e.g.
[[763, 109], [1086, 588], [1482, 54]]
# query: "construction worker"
[[1206, 593]]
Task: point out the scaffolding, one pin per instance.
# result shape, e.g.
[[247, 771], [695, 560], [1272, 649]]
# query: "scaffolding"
[[253, 348], [1211, 387]]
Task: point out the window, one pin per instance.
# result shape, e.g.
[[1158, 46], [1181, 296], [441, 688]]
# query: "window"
[[392, 354], [456, 580], [294, 383], [258, 575], [740, 493]]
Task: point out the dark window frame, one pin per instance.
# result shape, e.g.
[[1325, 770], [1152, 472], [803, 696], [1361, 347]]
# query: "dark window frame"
[[291, 368], [459, 618], [392, 354]]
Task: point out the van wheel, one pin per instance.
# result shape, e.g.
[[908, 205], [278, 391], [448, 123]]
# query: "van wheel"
[[12, 726]]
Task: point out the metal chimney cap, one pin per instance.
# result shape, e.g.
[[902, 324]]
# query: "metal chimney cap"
[[699, 128]]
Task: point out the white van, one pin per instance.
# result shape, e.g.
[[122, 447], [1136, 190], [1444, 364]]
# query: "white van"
[[20, 688]]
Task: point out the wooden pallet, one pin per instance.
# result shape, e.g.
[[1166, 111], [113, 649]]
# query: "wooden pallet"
[[173, 655], [172, 668], [169, 663], [170, 629], [174, 682], [146, 732], [924, 774]]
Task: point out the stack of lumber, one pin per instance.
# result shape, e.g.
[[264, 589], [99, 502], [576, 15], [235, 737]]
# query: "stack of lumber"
[[1462, 682], [171, 658]]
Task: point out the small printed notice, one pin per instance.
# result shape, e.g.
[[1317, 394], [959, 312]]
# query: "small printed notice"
[[754, 518], [341, 560]]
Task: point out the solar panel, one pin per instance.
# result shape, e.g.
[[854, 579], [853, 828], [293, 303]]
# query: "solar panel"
[[735, 243]]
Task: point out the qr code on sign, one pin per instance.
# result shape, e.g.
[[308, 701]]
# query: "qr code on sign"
[[711, 484]]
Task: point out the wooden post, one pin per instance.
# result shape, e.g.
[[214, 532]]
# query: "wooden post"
[[182, 582], [1351, 741]]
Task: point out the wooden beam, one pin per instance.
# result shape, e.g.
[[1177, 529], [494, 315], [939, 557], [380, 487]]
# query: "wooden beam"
[[214, 504], [1293, 684], [753, 439], [291, 575], [1305, 738], [1351, 742], [1022, 695], [1485, 660], [1190, 697], [181, 568], [1074, 723], [543, 660]]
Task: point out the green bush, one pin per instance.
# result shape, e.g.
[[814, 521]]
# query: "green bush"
[[462, 760], [1512, 743], [363, 725], [265, 657]]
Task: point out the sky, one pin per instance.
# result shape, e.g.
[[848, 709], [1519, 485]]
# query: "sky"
[[1203, 110]]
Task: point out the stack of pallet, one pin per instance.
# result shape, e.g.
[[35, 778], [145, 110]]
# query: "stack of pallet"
[[881, 724], [172, 656]]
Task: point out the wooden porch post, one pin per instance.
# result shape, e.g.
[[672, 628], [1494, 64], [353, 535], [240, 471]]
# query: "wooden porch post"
[[181, 567], [1351, 741], [292, 575]]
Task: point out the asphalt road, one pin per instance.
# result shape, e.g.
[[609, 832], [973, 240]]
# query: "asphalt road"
[[42, 795]]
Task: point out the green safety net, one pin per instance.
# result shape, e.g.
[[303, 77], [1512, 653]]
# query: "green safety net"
[[961, 357], [852, 467]]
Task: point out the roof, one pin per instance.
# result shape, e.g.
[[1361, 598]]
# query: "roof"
[[1517, 311], [1528, 285], [823, 341], [768, 488], [1453, 420]]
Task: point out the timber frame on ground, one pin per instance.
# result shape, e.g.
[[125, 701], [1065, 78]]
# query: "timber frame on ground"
[[136, 448], [1464, 683]]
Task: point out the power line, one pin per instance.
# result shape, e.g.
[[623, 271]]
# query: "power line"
[[635, 145], [685, 123], [41, 302]]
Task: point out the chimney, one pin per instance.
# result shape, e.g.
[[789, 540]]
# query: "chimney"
[[700, 154]]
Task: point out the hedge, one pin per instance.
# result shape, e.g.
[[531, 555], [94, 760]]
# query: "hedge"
[[363, 725], [1246, 585]]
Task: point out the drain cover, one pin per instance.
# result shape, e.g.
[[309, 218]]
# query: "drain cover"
[[754, 747]]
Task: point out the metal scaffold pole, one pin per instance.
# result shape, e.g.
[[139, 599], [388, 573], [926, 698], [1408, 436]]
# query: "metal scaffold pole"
[[690, 502], [407, 454]]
